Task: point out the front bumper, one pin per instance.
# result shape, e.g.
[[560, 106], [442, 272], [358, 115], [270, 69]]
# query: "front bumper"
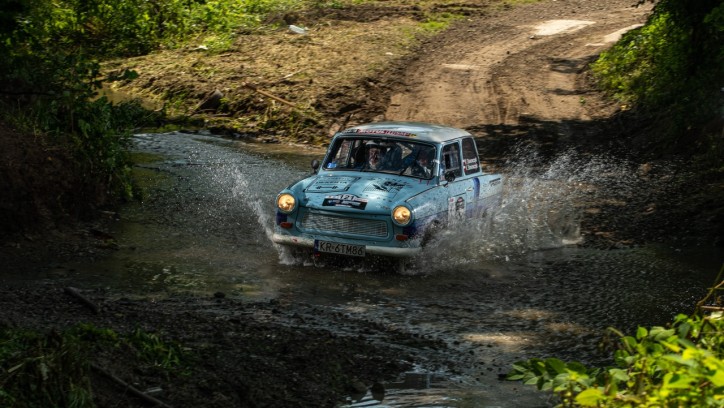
[[375, 250]]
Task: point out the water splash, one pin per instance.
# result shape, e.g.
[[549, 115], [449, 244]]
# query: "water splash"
[[232, 189], [251, 186], [241, 191], [544, 203], [545, 200]]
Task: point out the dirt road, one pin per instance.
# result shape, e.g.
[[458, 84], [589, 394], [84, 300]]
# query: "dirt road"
[[528, 62]]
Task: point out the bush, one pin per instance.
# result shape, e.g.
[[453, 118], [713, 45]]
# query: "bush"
[[670, 69], [55, 369], [678, 366]]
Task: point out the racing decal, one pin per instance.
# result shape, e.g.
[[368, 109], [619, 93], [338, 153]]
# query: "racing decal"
[[389, 187], [476, 187], [471, 165], [455, 209], [387, 132], [340, 183], [345, 200]]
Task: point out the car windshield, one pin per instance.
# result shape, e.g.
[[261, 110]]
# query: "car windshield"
[[401, 157]]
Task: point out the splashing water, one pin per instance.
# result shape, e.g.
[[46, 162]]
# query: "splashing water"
[[543, 207], [232, 190], [544, 201], [240, 191], [252, 186]]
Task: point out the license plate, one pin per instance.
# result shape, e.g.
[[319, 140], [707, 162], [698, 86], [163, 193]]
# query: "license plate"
[[339, 249]]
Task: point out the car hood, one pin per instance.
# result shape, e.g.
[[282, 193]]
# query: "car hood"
[[368, 192]]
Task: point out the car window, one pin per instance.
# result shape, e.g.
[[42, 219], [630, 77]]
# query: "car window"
[[383, 155], [471, 162], [451, 159], [344, 154], [419, 161]]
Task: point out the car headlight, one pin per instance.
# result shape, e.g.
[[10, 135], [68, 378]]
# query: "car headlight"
[[286, 202], [401, 215]]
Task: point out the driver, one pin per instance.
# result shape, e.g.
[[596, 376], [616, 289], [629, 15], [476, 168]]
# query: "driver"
[[374, 156]]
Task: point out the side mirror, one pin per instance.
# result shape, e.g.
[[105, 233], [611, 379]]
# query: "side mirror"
[[450, 176], [315, 166]]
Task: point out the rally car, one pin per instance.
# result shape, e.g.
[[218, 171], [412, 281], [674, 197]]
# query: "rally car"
[[383, 190]]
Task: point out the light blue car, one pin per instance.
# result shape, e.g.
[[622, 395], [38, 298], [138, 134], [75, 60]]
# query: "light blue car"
[[383, 190]]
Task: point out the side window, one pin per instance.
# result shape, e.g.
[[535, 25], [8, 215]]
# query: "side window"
[[451, 159], [471, 162]]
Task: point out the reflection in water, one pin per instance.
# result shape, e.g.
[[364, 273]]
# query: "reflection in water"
[[505, 288]]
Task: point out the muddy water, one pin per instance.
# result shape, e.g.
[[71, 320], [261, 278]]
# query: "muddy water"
[[494, 292]]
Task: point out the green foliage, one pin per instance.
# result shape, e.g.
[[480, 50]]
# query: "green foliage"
[[334, 4], [631, 70], [681, 365], [51, 77], [154, 350], [432, 26], [228, 16], [97, 131], [53, 369], [678, 366], [671, 68], [105, 28], [49, 69], [108, 28], [43, 370]]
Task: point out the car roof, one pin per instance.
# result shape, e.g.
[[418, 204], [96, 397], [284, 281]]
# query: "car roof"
[[414, 130]]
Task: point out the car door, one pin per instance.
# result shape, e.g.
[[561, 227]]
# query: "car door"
[[470, 190], [451, 170], [475, 184]]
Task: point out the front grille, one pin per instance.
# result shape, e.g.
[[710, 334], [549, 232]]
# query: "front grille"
[[336, 224]]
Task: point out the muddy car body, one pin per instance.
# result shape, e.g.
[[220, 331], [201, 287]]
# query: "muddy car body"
[[424, 177]]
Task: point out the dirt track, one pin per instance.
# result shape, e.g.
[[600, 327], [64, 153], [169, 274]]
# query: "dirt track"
[[526, 62], [498, 66]]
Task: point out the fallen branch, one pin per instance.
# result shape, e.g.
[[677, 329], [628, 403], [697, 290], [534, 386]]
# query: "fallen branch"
[[268, 95], [133, 390], [84, 300], [712, 291]]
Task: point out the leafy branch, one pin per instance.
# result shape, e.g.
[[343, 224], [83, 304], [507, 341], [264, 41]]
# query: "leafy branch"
[[680, 365]]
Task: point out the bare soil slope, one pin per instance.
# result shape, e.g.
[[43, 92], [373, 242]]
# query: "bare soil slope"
[[498, 65]]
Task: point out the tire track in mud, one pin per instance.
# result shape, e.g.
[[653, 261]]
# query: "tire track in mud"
[[451, 81]]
